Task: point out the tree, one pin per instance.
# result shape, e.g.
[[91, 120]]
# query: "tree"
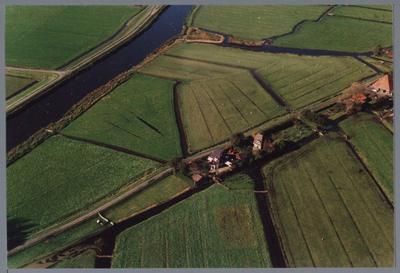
[[352, 107], [174, 161], [378, 50], [237, 139]]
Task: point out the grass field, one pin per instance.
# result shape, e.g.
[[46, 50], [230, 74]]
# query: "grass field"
[[49, 36], [138, 115], [62, 176], [155, 194], [339, 34], [385, 7], [216, 100], [16, 84], [299, 80], [382, 65], [375, 145], [255, 22], [214, 228], [364, 13], [82, 260], [327, 212], [43, 78]]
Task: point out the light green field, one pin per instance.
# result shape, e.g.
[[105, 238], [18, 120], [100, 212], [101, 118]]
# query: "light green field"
[[216, 100], [214, 228], [155, 194], [15, 84], [375, 145], [327, 212], [49, 36], [43, 78], [256, 22], [61, 177], [138, 115], [299, 80], [339, 34], [83, 260], [364, 13]]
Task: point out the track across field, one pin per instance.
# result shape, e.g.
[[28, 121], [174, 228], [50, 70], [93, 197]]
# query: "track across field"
[[214, 228], [340, 34], [299, 80], [328, 210], [216, 100], [364, 13], [138, 115], [255, 22], [375, 145]]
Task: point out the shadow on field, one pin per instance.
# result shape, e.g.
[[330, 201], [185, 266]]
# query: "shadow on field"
[[17, 230]]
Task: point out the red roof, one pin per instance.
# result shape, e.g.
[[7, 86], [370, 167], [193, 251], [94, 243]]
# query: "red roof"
[[384, 83], [359, 97]]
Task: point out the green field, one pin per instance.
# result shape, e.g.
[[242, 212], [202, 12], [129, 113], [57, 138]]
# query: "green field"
[[216, 100], [256, 22], [327, 209], [82, 260], [299, 80], [339, 34], [155, 194], [375, 145], [138, 115], [49, 36], [61, 177], [382, 65], [214, 228], [364, 13], [386, 7], [16, 84]]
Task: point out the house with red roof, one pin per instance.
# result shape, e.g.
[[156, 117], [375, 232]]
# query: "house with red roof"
[[383, 86]]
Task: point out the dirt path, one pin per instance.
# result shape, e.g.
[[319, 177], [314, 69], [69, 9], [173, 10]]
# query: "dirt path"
[[93, 212], [65, 74]]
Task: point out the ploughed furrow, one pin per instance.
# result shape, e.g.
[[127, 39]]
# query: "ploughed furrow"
[[202, 114], [122, 129], [247, 97], [237, 109]]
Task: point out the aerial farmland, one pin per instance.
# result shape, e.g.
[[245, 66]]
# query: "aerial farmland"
[[200, 136]]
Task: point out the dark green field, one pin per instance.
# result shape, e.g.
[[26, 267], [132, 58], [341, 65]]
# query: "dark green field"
[[16, 84], [214, 228], [375, 145], [256, 22], [63, 176], [327, 209], [49, 36], [340, 34], [138, 115]]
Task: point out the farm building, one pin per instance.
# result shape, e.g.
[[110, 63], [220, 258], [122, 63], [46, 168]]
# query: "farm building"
[[257, 143], [215, 158], [383, 86], [359, 98], [197, 178]]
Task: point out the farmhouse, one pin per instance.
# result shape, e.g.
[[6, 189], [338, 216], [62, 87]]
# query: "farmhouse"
[[383, 86], [257, 143], [215, 158]]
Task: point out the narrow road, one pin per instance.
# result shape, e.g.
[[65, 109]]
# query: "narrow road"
[[93, 212], [67, 73]]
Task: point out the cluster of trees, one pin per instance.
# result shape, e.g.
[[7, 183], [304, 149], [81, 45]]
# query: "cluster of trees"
[[318, 119]]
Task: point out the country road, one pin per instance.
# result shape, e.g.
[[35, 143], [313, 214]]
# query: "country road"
[[93, 212]]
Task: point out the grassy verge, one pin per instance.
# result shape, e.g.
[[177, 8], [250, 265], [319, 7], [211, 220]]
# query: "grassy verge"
[[214, 228], [43, 78], [82, 260], [255, 22], [138, 115], [16, 84], [155, 194], [323, 206], [375, 145], [66, 176], [339, 34], [63, 31], [363, 13]]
